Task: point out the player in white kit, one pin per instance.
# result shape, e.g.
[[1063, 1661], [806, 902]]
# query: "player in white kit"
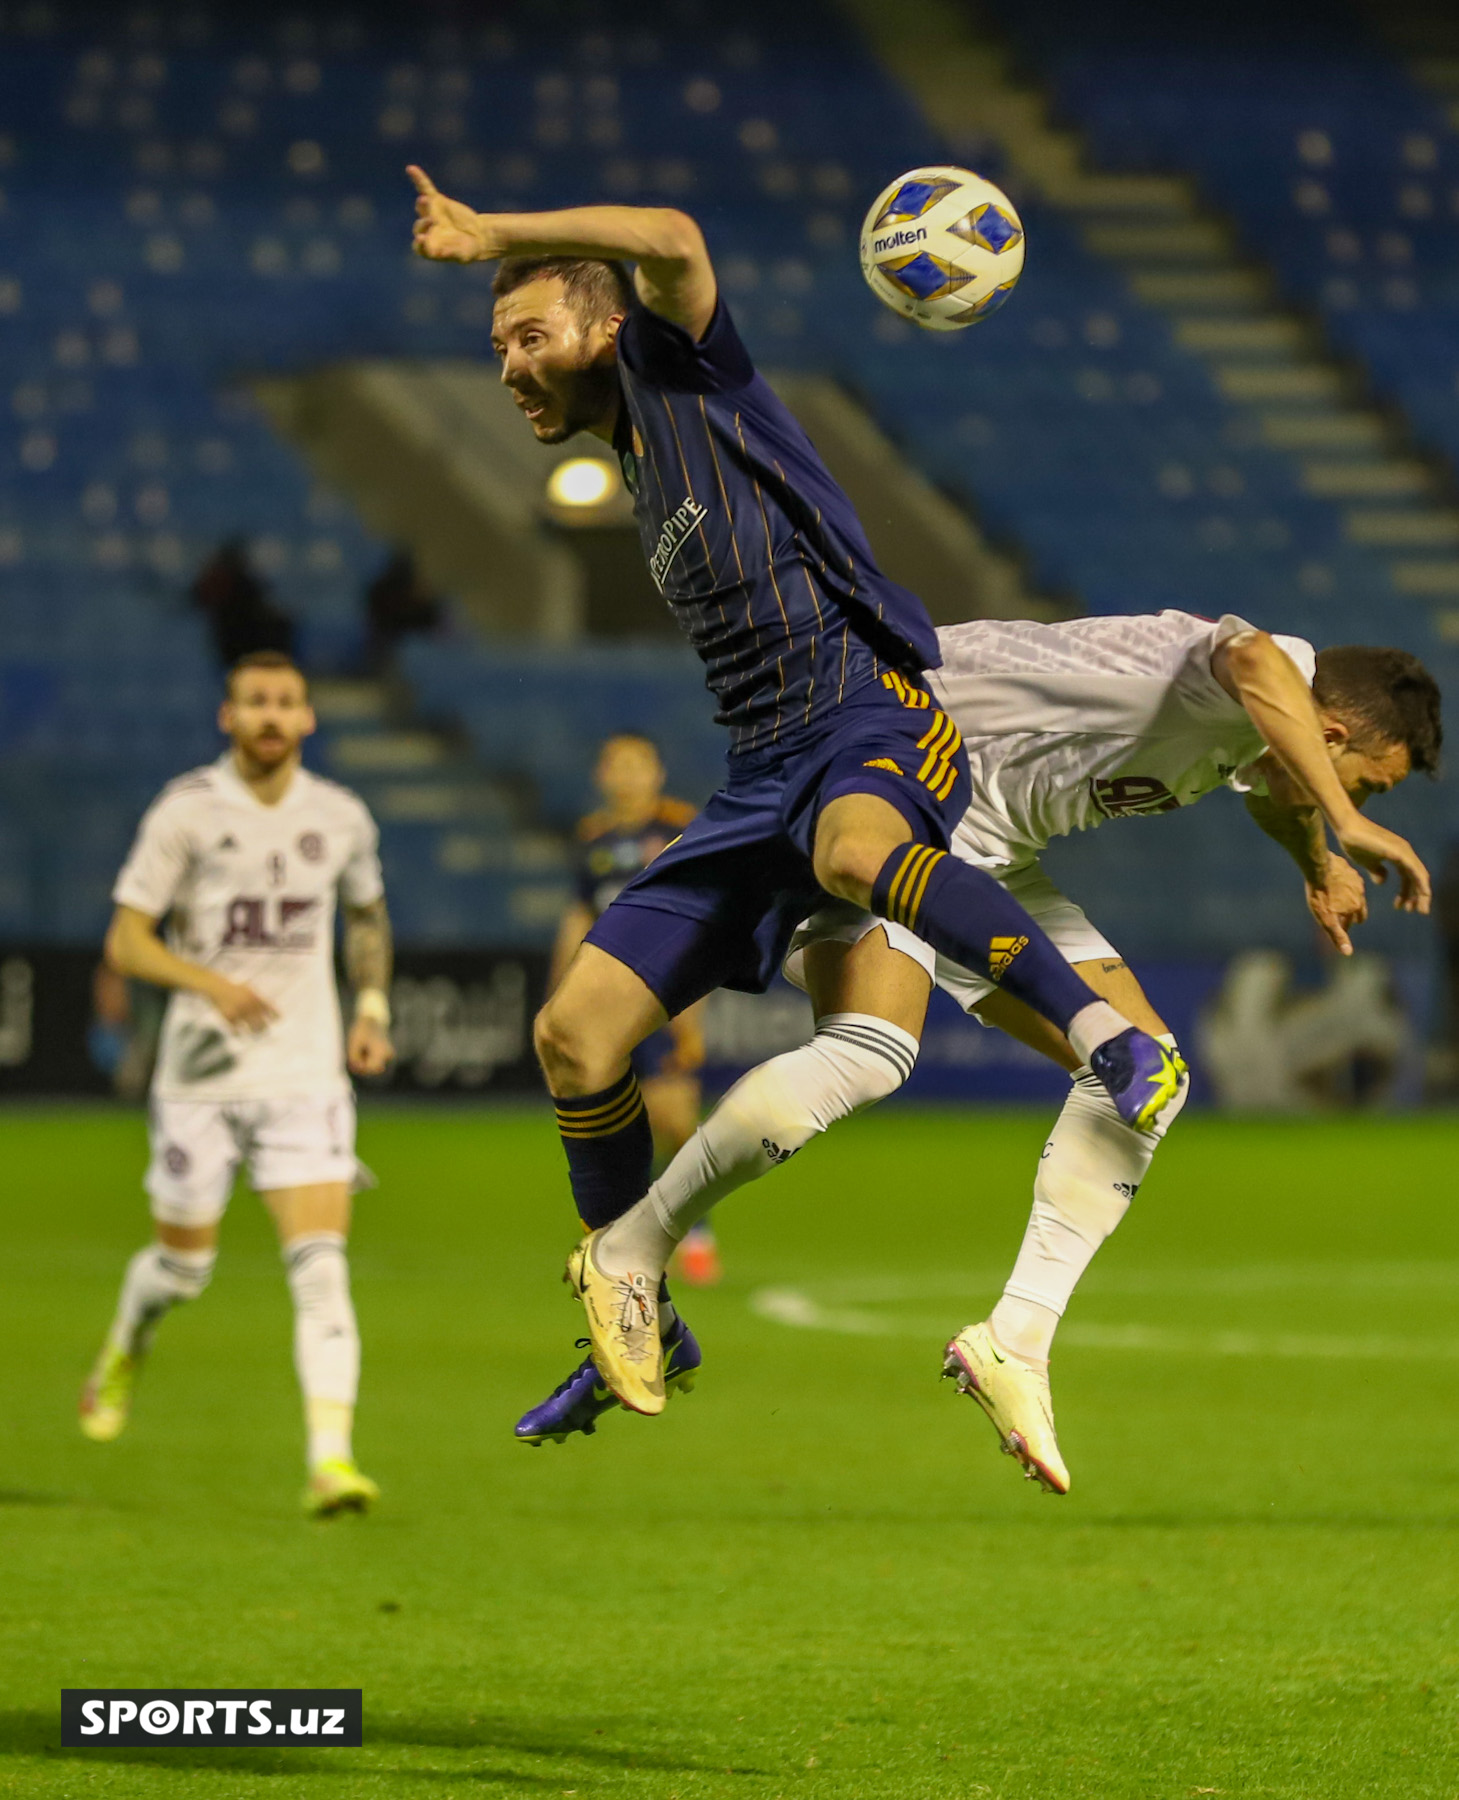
[[245, 859], [1068, 726]]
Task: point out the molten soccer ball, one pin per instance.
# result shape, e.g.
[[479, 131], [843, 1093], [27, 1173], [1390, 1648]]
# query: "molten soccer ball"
[[942, 247]]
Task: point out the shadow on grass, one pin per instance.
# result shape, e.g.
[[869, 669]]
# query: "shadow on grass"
[[566, 1741], [1066, 1518], [27, 1497], [571, 1738], [1273, 1521]]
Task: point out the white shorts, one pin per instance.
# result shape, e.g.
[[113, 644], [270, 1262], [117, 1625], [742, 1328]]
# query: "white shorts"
[[1065, 923], [198, 1145]]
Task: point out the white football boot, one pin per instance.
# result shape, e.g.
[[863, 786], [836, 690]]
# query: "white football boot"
[[1015, 1397]]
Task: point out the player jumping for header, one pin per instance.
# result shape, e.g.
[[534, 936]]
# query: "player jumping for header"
[[246, 857], [1069, 726], [845, 778]]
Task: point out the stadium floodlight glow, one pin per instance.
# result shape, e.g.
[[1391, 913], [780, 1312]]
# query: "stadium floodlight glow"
[[581, 481]]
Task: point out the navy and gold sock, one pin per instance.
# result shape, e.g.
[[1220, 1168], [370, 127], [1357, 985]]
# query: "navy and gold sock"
[[966, 916], [609, 1150]]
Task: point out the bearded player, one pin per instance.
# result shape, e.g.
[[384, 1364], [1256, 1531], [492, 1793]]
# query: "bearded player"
[[844, 777], [1069, 727], [615, 842], [245, 859]]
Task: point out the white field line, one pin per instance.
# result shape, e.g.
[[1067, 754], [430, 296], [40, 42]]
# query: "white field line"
[[1338, 1279], [796, 1308]]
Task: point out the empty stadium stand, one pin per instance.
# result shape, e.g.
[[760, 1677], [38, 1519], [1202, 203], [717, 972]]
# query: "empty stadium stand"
[[196, 197]]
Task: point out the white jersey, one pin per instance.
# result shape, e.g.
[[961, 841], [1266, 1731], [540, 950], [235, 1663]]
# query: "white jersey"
[[1071, 724], [250, 890]]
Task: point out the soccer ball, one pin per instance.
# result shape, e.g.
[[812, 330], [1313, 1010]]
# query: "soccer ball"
[[942, 247]]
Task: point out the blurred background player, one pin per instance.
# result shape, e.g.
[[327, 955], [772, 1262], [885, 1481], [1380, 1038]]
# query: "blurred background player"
[[615, 843], [245, 857]]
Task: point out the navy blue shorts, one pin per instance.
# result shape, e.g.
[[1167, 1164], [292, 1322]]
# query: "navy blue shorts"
[[716, 908]]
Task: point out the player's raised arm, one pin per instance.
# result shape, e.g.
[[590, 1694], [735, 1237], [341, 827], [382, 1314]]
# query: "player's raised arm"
[[673, 274], [134, 948], [1255, 670]]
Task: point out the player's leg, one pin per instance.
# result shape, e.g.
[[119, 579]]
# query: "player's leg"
[[866, 851], [585, 1035], [1090, 1169], [302, 1160], [675, 1103], [642, 964], [869, 1002], [189, 1178]]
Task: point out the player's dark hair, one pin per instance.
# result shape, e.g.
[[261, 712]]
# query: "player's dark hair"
[[1383, 694], [596, 288], [264, 659]]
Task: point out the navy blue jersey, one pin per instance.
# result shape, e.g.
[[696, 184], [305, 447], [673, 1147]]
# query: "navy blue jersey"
[[753, 545], [610, 855]]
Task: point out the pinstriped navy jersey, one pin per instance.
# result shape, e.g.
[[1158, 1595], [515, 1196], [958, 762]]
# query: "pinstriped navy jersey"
[[750, 541]]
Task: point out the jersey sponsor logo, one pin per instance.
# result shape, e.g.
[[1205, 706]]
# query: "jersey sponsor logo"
[[678, 528], [1127, 796], [274, 923], [884, 762], [311, 846], [202, 1052], [1001, 952], [894, 240]]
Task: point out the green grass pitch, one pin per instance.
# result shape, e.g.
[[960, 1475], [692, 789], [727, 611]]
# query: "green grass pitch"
[[813, 1577]]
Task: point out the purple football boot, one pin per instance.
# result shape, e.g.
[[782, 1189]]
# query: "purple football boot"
[[1142, 1076], [579, 1402]]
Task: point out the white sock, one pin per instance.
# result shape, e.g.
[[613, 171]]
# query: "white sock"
[[1094, 1025], [326, 1341], [157, 1279], [853, 1060], [1091, 1168]]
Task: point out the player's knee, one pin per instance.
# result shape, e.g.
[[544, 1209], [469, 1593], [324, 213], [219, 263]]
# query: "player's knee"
[[188, 1272], [558, 1042], [847, 863], [867, 1059]]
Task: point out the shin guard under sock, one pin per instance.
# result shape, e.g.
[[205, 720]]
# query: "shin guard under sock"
[[609, 1150], [965, 915]]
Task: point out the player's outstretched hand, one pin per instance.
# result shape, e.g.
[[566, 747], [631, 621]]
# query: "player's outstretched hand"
[[241, 1006], [369, 1051], [1339, 902], [1373, 848], [445, 230]]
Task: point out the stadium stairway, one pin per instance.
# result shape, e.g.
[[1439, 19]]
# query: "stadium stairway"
[[433, 455], [1381, 516], [194, 200]]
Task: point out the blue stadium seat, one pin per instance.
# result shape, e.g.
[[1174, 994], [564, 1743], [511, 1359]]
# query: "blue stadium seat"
[[233, 207]]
